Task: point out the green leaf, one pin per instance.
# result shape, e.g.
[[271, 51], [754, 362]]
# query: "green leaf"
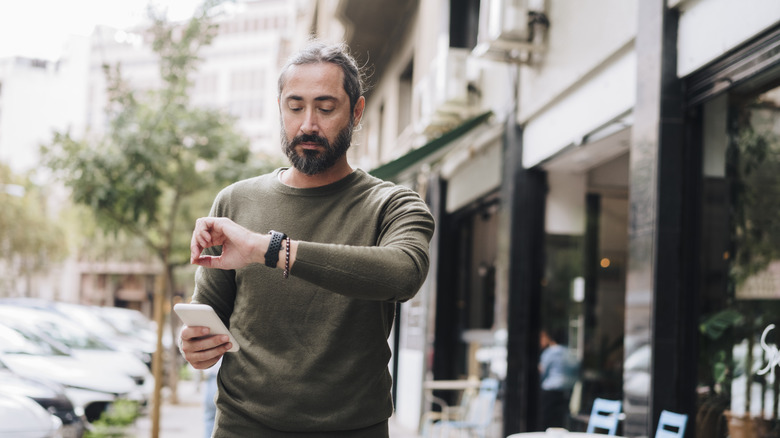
[[716, 325]]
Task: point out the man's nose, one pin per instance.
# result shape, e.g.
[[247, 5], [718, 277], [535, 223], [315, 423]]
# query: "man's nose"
[[310, 125]]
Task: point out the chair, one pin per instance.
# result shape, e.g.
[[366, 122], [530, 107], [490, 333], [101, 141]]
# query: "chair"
[[670, 421], [448, 412], [605, 416], [478, 414]]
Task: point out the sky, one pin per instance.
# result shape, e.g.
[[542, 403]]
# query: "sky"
[[40, 28]]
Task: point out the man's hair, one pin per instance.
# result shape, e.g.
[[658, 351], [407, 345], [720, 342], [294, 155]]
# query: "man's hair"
[[338, 54]]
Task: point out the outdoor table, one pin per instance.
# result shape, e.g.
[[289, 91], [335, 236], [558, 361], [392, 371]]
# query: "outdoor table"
[[454, 385], [559, 433]]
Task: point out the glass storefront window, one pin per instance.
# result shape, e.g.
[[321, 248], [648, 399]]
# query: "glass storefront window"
[[582, 307], [740, 302]]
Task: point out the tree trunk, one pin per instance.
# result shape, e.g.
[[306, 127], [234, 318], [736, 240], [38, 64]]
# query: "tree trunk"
[[175, 361], [159, 353]]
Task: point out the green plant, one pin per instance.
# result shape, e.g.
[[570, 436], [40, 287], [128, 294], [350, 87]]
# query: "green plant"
[[115, 420], [185, 372]]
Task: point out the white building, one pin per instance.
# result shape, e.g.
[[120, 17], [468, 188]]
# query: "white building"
[[237, 73], [37, 97], [583, 160]]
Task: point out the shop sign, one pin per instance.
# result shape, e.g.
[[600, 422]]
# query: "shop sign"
[[771, 351]]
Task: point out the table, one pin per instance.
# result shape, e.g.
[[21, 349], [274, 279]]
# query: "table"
[[455, 385], [559, 433]]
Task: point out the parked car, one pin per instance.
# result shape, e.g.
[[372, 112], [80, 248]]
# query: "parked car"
[[50, 395], [89, 386], [109, 326], [636, 388], [82, 344], [134, 324], [20, 417]]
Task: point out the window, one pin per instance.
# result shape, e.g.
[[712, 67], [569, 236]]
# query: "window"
[[740, 246]]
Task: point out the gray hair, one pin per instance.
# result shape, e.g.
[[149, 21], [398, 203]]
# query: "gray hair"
[[338, 54]]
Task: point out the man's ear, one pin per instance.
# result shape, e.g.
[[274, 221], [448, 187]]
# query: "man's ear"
[[357, 113]]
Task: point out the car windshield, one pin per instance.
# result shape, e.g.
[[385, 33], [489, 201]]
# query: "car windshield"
[[126, 321], [71, 335], [88, 318], [57, 328], [14, 341]]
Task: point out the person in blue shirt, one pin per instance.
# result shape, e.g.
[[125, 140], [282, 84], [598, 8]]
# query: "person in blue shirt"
[[209, 404], [558, 371]]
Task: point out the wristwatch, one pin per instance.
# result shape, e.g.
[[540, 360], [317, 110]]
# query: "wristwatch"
[[272, 254]]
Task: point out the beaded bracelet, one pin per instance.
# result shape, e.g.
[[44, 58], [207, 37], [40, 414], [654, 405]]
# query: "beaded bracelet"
[[287, 260]]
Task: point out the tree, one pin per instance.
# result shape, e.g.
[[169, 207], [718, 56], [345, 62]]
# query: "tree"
[[160, 162], [29, 239]]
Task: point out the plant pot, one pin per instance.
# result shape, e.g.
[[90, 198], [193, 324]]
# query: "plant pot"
[[743, 426]]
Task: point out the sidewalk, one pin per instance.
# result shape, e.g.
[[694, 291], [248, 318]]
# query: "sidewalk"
[[185, 420]]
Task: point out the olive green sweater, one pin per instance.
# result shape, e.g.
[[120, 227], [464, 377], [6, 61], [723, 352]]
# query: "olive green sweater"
[[314, 352]]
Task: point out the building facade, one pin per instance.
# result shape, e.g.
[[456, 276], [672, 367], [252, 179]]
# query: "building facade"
[[38, 96], [237, 72], [602, 170]]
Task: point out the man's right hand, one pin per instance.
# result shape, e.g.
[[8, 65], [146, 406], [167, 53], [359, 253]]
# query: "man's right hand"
[[200, 349], [240, 246]]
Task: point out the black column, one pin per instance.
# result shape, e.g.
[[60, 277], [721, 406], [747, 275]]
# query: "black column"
[[446, 332], [657, 301], [523, 192]]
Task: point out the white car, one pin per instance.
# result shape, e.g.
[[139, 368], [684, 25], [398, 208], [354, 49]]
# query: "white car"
[[20, 417], [121, 329], [133, 324], [49, 395], [90, 387], [80, 343], [108, 324]]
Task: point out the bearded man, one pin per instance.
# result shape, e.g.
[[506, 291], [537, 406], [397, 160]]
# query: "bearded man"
[[311, 302]]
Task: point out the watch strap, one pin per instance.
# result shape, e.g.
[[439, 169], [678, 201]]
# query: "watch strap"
[[272, 254]]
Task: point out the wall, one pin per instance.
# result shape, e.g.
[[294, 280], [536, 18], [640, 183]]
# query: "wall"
[[582, 36], [585, 81], [709, 29]]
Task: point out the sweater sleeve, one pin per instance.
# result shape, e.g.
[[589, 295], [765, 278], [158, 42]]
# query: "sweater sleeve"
[[216, 287], [393, 270]]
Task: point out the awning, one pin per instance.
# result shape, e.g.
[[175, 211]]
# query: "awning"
[[394, 168]]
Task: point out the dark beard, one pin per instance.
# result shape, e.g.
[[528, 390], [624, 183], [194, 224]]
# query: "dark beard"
[[314, 162]]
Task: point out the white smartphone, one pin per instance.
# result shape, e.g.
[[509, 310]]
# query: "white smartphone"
[[202, 315]]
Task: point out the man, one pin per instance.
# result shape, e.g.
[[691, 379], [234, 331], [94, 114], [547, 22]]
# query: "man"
[[312, 332], [558, 371]]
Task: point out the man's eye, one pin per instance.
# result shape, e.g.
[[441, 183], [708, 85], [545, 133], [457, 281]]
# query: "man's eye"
[[294, 109], [326, 110]]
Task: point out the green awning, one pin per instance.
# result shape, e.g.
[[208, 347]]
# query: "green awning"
[[395, 167]]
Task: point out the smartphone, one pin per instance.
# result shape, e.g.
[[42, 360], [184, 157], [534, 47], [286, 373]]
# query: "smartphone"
[[203, 315]]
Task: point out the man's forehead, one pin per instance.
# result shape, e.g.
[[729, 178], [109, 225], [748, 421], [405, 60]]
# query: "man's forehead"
[[323, 79]]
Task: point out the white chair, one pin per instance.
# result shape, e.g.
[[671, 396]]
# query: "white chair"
[[477, 417]]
